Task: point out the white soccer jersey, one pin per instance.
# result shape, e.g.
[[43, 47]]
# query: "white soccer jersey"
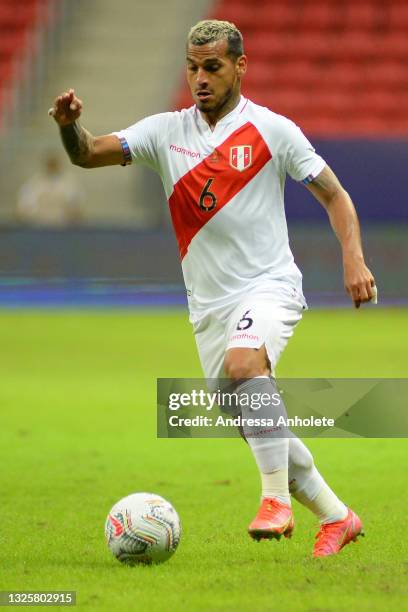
[[225, 190]]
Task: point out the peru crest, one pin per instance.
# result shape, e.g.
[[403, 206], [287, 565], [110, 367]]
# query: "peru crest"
[[241, 157]]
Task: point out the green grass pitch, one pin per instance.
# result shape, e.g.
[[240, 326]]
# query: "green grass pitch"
[[77, 400]]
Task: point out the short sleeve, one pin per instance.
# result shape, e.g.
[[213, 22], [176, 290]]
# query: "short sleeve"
[[140, 141], [302, 163]]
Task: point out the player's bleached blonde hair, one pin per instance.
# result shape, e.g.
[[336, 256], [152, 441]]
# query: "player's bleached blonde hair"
[[211, 30]]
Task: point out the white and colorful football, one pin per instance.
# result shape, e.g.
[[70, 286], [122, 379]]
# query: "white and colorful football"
[[143, 528]]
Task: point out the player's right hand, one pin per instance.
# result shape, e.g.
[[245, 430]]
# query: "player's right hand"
[[67, 108]]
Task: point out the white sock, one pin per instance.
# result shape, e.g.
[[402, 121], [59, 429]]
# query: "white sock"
[[309, 488], [326, 505], [275, 484], [270, 449]]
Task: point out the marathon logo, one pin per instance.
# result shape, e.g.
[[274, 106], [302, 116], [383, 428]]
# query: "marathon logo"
[[183, 151], [245, 337]]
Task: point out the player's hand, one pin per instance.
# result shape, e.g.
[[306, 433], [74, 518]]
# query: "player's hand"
[[358, 281], [67, 108]]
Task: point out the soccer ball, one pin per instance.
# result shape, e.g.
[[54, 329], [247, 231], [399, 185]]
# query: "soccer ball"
[[142, 528]]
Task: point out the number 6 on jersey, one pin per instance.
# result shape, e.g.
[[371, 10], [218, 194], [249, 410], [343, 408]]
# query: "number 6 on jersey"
[[208, 200]]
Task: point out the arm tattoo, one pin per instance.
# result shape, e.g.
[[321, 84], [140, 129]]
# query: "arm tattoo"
[[77, 142]]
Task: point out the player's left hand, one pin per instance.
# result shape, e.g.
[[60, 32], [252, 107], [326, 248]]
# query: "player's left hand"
[[358, 281]]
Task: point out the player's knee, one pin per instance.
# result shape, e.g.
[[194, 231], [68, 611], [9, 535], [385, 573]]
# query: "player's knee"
[[238, 366]]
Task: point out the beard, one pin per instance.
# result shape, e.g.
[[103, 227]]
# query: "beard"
[[215, 106]]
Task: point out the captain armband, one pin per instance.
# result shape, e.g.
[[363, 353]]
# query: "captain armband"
[[126, 151]]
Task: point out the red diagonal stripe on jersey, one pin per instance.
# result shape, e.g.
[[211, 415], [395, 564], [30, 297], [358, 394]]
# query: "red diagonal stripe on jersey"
[[188, 218]]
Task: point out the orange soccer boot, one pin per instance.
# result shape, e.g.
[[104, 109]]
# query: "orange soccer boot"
[[332, 537], [273, 520]]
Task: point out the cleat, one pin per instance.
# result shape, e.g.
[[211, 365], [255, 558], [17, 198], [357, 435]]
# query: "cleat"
[[332, 537], [273, 520]]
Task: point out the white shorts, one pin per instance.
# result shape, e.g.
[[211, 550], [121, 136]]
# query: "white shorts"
[[263, 318]]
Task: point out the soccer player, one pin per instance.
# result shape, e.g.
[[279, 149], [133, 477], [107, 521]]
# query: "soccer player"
[[223, 164]]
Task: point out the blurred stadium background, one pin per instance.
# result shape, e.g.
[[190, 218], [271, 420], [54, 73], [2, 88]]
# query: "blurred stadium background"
[[339, 69]]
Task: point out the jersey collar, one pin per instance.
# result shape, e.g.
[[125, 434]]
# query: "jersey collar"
[[228, 118]]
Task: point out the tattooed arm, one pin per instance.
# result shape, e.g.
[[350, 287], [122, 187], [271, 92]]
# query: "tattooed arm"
[[83, 149], [358, 279]]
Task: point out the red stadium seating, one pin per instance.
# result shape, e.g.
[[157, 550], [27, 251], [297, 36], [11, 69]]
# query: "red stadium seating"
[[398, 17], [366, 16], [10, 43], [321, 17], [17, 20], [12, 19], [338, 68]]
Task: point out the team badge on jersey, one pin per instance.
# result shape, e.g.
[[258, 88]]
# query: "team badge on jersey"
[[241, 157]]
